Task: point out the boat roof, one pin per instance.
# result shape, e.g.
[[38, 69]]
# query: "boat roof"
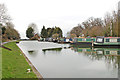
[[95, 37], [111, 37]]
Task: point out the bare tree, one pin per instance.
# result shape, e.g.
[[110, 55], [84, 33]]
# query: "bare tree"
[[77, 30], [34, 27], [4, 17]]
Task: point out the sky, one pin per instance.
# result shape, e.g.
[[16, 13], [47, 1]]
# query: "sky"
[[65, 14]]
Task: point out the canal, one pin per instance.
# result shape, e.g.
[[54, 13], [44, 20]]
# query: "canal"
[[73, 61]]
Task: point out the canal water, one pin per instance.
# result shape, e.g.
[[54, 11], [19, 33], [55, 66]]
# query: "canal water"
[[73, 61]]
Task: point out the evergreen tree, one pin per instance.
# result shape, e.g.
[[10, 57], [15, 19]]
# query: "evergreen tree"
[[3, 30], [49, 32], [30, 32], [44, 32], [58, 31]]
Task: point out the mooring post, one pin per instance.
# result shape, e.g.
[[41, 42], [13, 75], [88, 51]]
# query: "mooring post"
[[92, 44]]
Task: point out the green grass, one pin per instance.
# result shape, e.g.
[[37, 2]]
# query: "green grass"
[[0, 63], [14, 65]]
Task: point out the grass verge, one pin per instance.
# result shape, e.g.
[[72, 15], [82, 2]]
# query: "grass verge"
[[14, 64]]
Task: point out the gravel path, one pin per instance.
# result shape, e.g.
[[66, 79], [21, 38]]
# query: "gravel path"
[[7, 42]]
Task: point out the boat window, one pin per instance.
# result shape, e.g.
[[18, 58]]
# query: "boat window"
[[118, 52], [79, 39], [83, 39], [113, 40], [107, 52], [107, 40], [99, 40], [118, 40]]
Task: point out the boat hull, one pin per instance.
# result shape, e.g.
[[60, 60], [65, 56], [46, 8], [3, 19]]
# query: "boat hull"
[[107, 45], [84, 44], [64, 42]]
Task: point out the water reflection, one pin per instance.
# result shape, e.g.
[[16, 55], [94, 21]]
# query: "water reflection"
[[52, 50], [33, 52], [110, 55]]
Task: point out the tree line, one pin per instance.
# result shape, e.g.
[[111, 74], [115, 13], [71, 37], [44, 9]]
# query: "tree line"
[[98, 27], [8, 31], [54, 32], [108, 26]]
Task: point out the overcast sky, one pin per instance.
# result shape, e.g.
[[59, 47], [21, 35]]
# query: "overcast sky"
[[65, 14]]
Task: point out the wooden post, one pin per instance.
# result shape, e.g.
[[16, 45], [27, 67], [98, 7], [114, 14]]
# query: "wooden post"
[[92, 43]]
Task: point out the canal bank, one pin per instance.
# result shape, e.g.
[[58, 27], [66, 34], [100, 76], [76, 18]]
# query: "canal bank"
[[14, 64]]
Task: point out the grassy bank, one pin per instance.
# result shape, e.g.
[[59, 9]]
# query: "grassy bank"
[[14, 64]]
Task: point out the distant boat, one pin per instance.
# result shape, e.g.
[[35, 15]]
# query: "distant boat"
[[107, 41], [65, 40]]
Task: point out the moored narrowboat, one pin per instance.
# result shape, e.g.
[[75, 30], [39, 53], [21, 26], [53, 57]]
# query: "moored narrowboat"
[[107, 42], [83, 41]]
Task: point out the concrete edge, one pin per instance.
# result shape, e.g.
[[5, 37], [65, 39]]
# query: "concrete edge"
[[39, 76]]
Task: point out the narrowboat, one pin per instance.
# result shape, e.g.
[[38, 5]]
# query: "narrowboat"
[[83, 41], [65, 40], [107, 42]]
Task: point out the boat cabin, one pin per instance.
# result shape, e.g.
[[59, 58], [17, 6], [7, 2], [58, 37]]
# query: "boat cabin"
[[100, 39], [107, 41]]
